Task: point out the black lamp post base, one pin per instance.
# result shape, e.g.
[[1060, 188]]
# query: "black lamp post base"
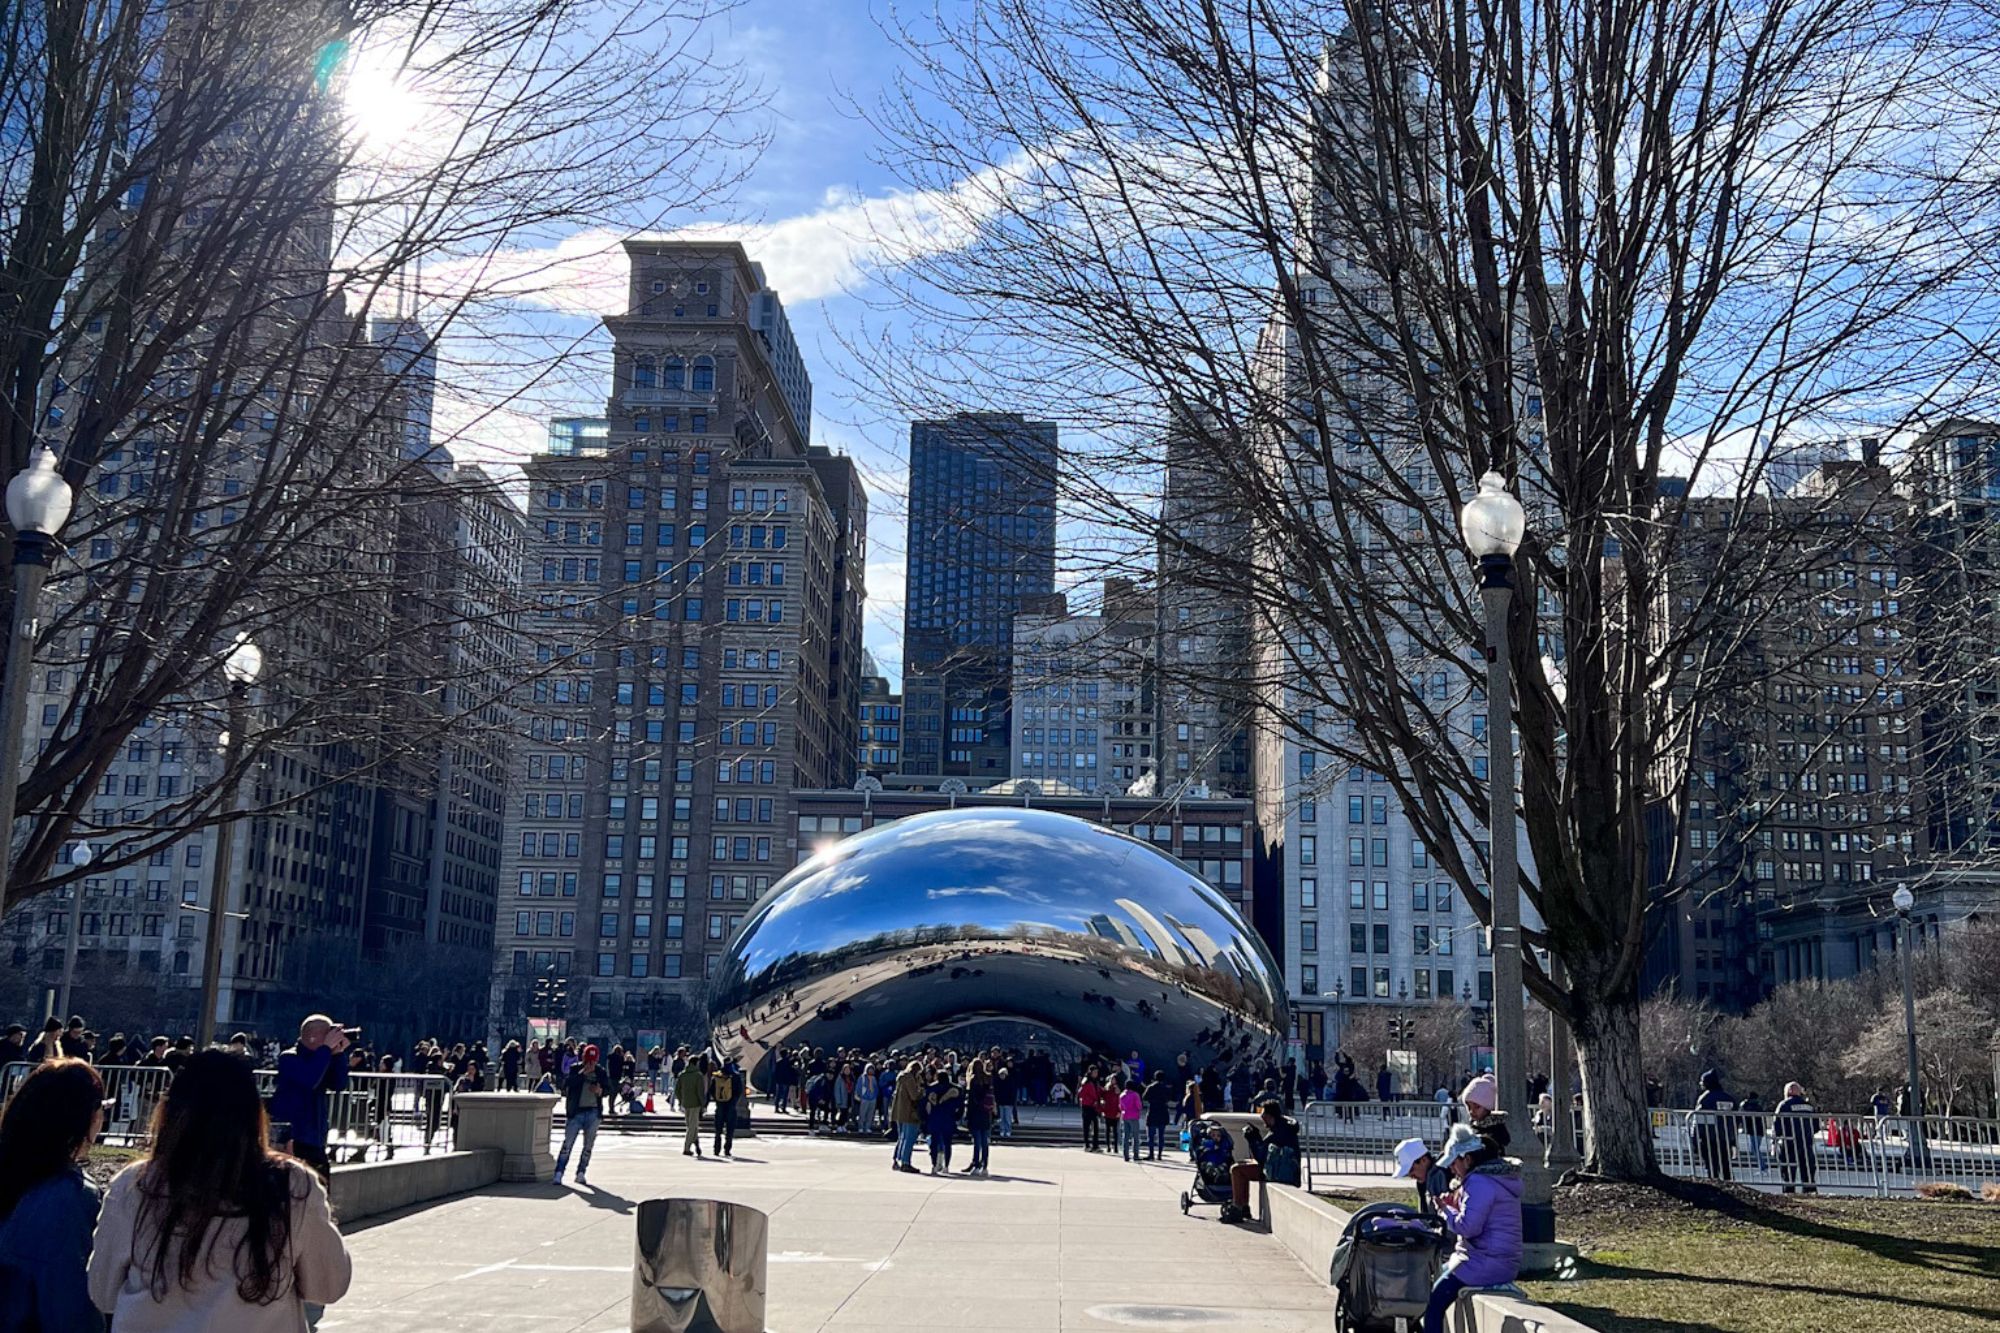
[[1538, 1223]]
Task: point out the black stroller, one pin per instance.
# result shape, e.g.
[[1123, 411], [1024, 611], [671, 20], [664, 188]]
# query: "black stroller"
[[1384, 1267], [1211, 1178]]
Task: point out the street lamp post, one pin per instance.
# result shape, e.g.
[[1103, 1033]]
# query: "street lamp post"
[[38, 503], [241, 669], [1493, 524], [1904, 901], [1338, 992], [81, 855], [1562, 1154]]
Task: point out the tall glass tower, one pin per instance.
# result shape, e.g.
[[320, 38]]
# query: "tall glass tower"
[[982, 538]]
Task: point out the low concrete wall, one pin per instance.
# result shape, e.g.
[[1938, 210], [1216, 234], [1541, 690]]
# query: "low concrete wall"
[[1309, 1227], [382, 1187]]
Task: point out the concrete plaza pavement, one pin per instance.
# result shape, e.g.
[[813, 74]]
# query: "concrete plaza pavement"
[[1056, 1238]]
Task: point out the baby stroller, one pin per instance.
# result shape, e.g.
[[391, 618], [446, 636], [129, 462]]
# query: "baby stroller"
[[1211, 1178], [1384, 1267]]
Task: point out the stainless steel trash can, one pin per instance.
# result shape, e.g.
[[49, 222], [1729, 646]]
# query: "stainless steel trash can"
[[699, 1268]]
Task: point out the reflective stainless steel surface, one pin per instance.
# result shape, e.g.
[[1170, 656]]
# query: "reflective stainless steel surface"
[[700, 1267], [914, 927]]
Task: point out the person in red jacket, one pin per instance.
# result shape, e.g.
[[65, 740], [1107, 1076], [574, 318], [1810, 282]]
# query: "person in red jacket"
[[1088, 1094]]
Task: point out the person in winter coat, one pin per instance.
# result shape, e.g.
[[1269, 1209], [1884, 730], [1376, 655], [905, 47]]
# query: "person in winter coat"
[[691, 1090], [1711, 1126], [1793, 1128], [1482, 1098], [980, 1107], [1239, 1088], [1088, 1095], [1483, 1210], [1131, 1110], [1159, 1096], [906, 1113], [48, 1206], [1191, 1102], [725, 1089], [586, 1092], [942, 1103]]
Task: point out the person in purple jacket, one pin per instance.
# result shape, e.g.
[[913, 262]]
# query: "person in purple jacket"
[[1482, 1209]]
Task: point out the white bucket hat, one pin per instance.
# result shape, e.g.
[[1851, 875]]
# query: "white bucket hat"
[[1408, 1153]]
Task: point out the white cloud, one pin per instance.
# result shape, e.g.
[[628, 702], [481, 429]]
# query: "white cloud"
[[814, 255]]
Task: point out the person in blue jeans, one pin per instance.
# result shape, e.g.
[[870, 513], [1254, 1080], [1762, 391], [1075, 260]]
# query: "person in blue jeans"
[[906, 1112], [1159, 1096], [584, 1094], [1483, 1210]]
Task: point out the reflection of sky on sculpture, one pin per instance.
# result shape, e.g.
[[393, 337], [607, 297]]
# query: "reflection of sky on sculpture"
[[1016, 864], [1007, 910]]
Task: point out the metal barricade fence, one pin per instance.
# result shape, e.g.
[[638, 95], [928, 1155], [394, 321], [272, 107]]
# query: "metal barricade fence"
[[1360, 1138], [1830, 1154], [375, 1118]]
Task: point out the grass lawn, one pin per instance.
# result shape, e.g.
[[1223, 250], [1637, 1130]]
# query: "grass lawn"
[[1693, 1258], [104, 1163]]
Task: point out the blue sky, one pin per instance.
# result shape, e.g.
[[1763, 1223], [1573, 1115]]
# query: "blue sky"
[[805, 209]]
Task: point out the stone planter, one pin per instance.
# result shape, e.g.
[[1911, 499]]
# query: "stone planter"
[[519, 1124]]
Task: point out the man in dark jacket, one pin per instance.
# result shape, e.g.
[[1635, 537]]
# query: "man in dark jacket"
[[1796, 1127], [1712, 1126], [13, 1045], [307, 1071], [585, 1092]]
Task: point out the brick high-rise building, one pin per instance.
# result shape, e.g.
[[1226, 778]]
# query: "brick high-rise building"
[[697, 641]]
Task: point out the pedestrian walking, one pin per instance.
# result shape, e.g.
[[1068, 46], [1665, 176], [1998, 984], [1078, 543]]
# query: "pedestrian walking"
[[725, 1088], [691, 1088], [510, 1067], [585, 1093]]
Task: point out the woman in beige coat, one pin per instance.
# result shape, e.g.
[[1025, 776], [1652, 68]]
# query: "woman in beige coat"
[[214, 1230]]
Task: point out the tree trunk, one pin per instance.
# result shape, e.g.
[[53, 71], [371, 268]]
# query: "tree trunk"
[[1617, 1131]]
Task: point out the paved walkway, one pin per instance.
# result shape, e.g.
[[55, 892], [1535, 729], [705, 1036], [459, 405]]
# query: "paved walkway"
[[1056, 1239]]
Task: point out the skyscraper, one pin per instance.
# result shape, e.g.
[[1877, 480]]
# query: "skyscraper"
[[697, 571], [1203, 699], [981, 539], [1083, 693]]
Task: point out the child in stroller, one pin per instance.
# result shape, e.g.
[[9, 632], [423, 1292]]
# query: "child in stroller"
[[1213, 1150]]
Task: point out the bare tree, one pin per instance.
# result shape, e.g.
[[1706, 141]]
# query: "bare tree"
[[1347, 257], [213, 307], [1954, 1051]]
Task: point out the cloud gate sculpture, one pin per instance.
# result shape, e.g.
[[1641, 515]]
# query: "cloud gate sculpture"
[[899, 934]]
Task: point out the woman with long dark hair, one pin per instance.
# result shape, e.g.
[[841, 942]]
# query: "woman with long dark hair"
[[214, 1230], [47, 1205]]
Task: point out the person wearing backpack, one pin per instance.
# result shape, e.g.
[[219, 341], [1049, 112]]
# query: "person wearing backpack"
[[725, 1087]]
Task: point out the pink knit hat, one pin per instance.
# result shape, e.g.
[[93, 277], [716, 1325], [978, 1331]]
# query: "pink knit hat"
[[1484, 1090]]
